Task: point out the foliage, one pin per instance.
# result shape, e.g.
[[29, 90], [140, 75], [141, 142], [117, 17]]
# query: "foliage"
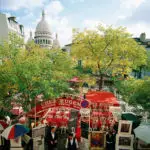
[[25, 74], [135, 92], [148, 61], [107, 51]]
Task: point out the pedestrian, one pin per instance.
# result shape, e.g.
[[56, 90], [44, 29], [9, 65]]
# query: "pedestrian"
[[53, 139], [46, 138], [110, 141], [71, 142]]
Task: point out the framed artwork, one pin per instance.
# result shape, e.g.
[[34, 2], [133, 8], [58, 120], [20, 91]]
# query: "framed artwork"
[[122, 148], [125, 127], [124, 142], [97, 140]]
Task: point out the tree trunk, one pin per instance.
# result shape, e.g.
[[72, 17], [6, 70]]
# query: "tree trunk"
[[100, 82]]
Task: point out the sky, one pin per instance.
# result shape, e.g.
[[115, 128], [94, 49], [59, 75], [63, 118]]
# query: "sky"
[[64, 15]]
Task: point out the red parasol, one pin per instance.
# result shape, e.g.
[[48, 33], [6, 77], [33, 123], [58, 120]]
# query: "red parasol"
[[17, 110], [75, 80], [4, 124], [102, 97]]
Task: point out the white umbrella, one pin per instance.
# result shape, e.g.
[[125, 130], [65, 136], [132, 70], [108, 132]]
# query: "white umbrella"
[[143, 132]]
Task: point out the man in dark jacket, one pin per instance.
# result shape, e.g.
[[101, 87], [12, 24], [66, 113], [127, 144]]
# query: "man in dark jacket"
[[71, 143], [52, 139], [110, 141], [46, 138]]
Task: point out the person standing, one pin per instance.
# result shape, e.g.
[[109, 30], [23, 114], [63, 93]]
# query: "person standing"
[[71, 143], [46, 138], [110, 141], [53, 139]]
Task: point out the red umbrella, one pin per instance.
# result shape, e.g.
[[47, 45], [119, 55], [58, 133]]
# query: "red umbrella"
[[102, 97], [4, 124], [75, 80]]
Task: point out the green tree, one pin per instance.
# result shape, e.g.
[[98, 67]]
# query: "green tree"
[[107, 51], [135, 92], [28, 73]]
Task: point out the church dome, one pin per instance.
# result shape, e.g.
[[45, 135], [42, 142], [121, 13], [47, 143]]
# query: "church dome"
[[43, 36], [43, 26]]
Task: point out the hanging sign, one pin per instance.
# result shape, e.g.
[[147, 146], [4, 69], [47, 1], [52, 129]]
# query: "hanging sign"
[[84, 104], [60, 102], [85, 112]]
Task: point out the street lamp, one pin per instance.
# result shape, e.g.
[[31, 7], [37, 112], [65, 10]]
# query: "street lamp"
[[85, 88], [37, 99]]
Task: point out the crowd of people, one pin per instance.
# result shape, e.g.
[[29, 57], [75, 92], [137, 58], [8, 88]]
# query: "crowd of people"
[[51, 140]]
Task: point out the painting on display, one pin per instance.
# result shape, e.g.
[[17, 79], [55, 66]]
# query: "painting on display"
[[124, 141], [97, 140], [125, 127], [124, 148]]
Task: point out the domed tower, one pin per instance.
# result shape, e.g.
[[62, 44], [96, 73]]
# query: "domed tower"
[[30, 38], [56, 44], [142, 37], [43, 36]]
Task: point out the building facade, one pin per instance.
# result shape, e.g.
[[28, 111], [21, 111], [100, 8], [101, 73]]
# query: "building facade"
[[9, 25], [142, 70]]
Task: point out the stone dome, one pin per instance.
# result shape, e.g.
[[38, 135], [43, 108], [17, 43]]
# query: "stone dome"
[[43, 26], [43, 36]]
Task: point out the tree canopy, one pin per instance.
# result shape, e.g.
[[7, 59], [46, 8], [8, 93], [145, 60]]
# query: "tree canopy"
[[29, 73], [135, 92], [107, 51]]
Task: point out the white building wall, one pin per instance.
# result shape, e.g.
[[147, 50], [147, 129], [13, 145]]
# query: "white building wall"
[[7, 27], [3, 27]]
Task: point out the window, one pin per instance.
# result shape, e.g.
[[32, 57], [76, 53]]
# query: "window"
[[43, 41], [40, 41]]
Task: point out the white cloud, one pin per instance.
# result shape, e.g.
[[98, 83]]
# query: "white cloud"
[[92, 24], [17, 4], [122, 17], [8, 14], [77, 1], [131, 3], [61, 26], [54, 8], [137, 29], [64, 31]]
